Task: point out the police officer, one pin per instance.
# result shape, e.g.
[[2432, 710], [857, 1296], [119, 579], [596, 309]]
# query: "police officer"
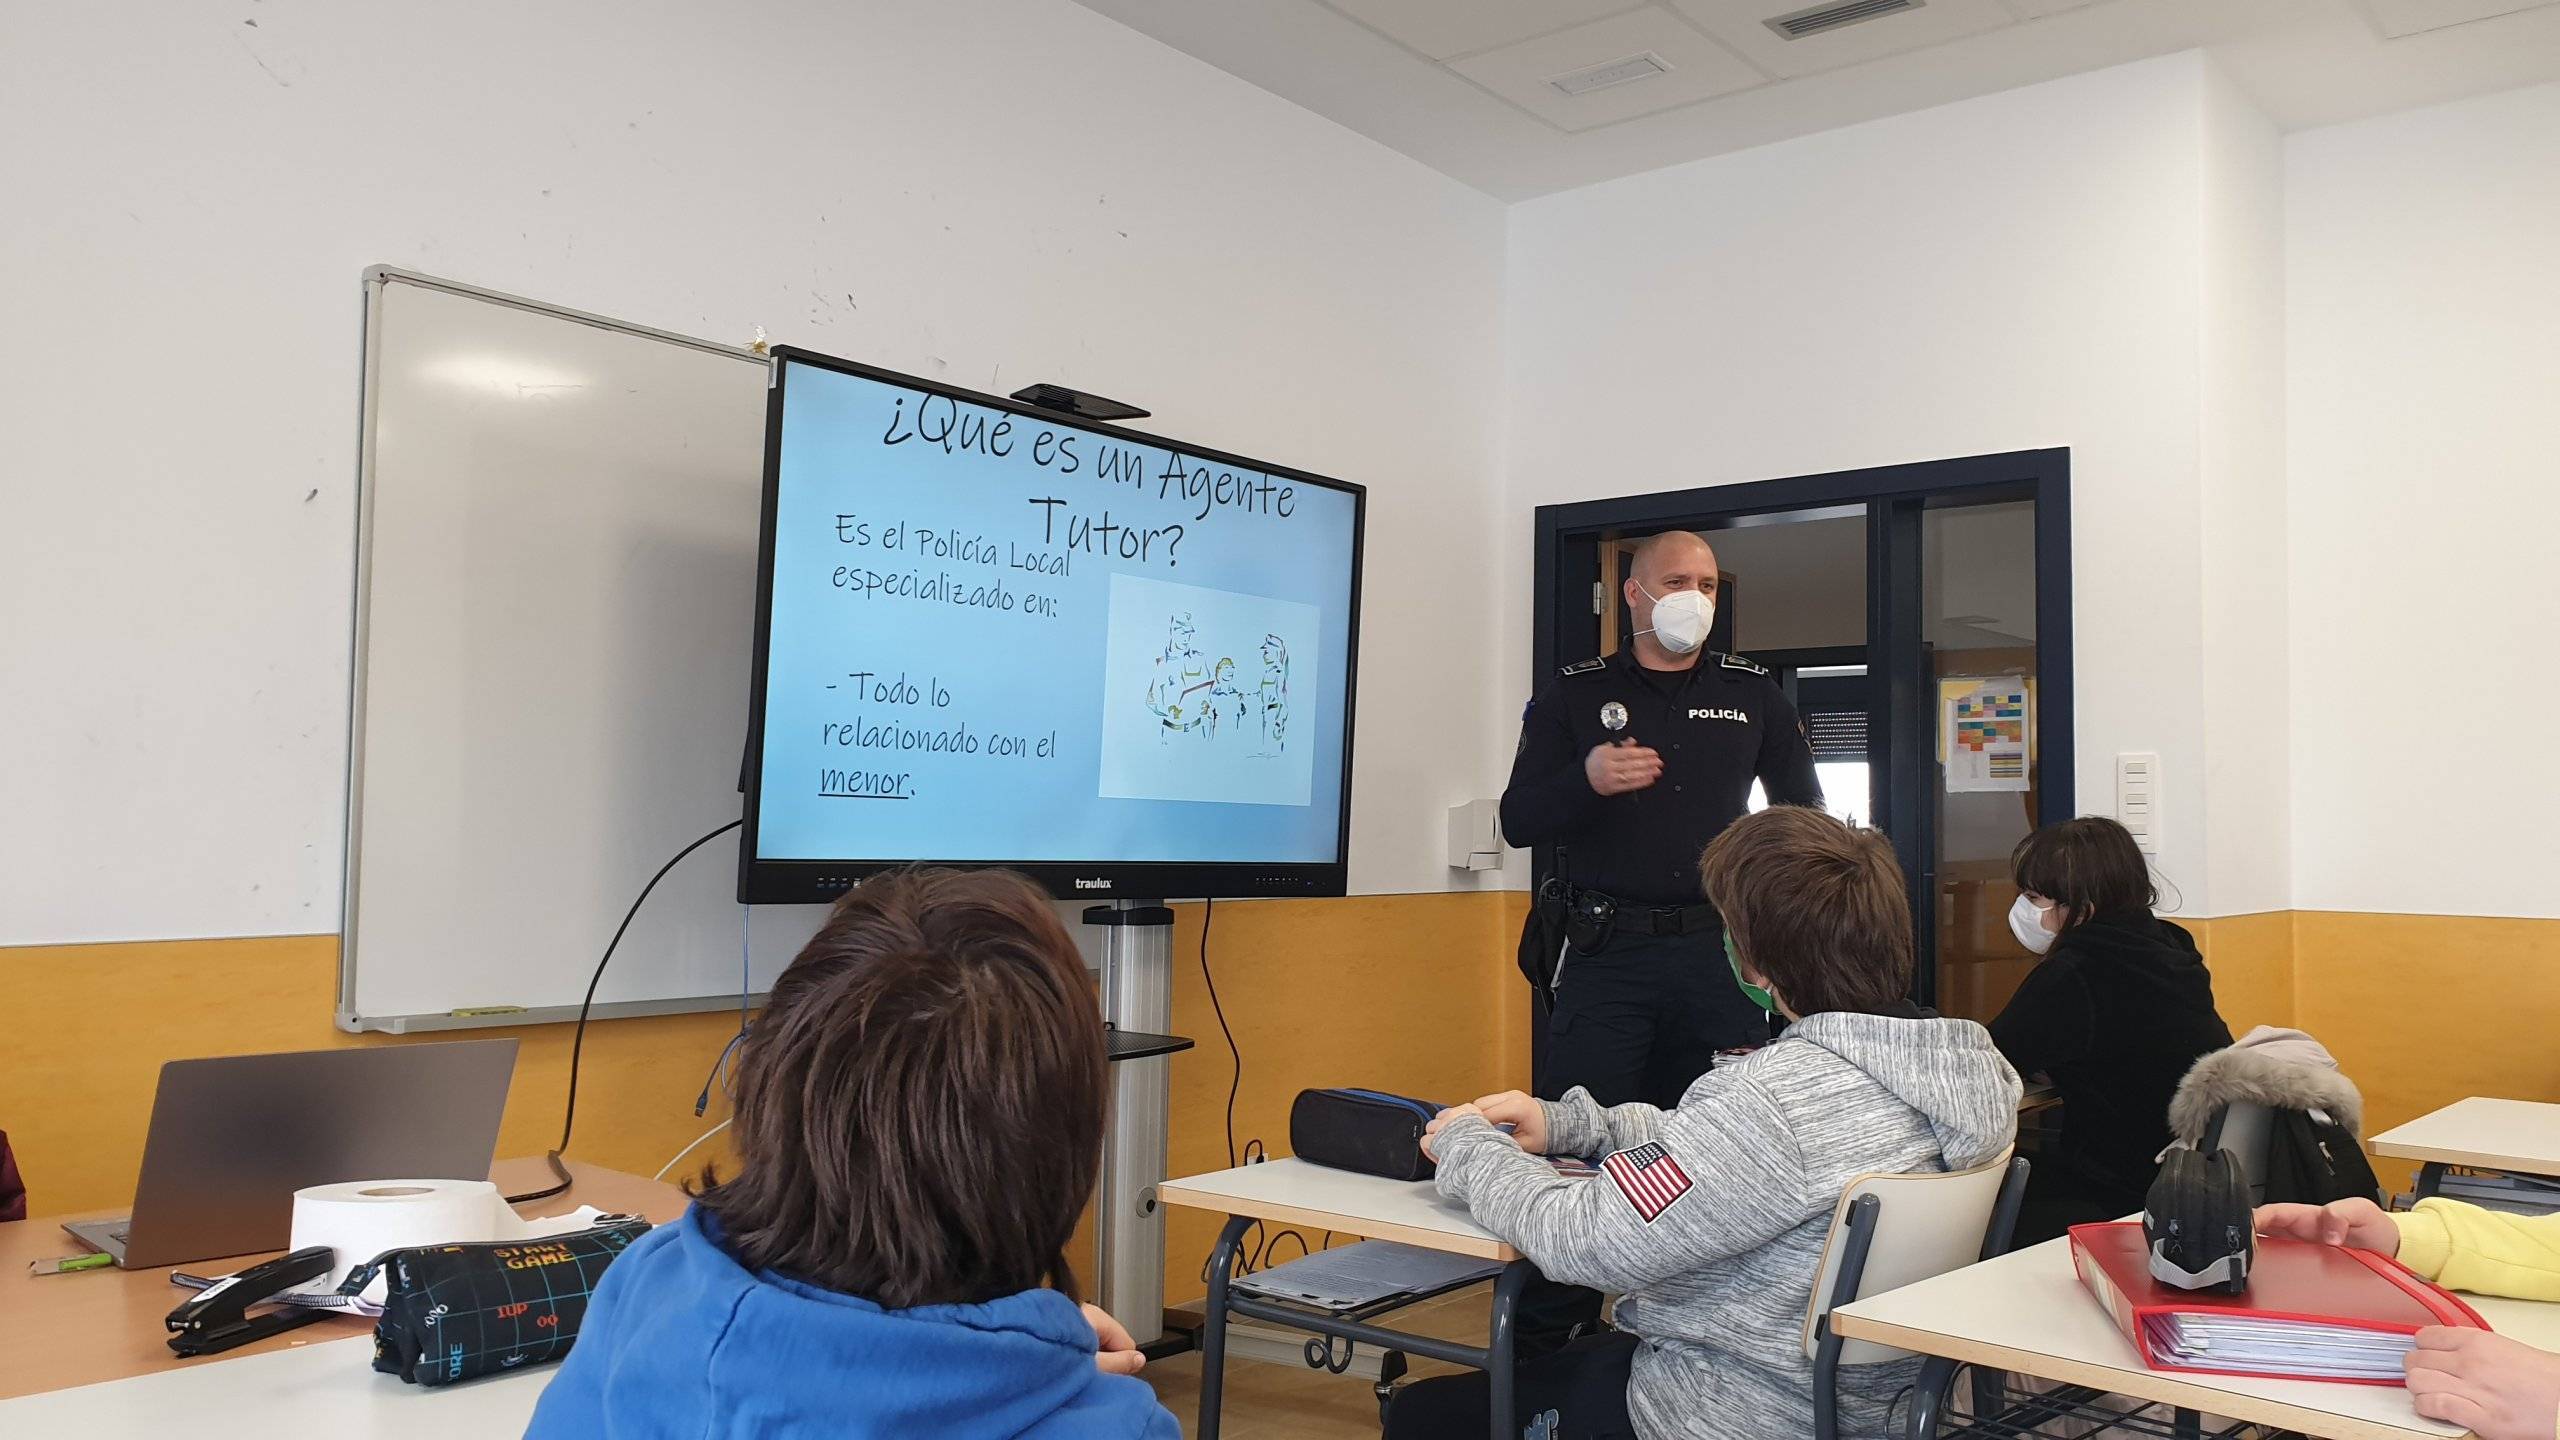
[[1628, 766]]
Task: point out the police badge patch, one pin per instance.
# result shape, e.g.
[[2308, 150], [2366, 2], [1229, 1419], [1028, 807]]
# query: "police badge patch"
[[1613, 716]]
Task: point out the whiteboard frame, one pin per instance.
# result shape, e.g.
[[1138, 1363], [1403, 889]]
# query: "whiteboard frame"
[[377, 279]]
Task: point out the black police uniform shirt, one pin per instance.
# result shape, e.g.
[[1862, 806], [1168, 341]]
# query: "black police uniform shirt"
[[1718, 725]]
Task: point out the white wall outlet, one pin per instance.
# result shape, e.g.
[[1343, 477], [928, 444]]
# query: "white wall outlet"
[[2138, 798]]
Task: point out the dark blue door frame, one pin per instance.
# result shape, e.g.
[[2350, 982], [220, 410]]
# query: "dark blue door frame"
[[1904, 691]]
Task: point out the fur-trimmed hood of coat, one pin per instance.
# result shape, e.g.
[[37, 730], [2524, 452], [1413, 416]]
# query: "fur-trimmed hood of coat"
[[2281, 1069]]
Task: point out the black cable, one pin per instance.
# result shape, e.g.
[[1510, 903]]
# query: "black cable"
[[578, 1043], [1209, 912]]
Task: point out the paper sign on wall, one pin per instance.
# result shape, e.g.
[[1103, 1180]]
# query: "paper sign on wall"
[[1984, 727]]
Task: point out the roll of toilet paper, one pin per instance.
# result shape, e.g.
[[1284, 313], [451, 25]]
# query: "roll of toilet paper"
[[362, 1218]]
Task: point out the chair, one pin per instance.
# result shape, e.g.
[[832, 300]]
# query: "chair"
[[2245, 1128], [1895, 1230]]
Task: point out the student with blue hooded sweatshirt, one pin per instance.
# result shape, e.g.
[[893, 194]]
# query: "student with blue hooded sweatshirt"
[[919, 1122]]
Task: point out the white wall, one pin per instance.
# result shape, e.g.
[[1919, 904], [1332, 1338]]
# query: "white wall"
[[2246, 694], [2422, 265], [984, 191], [2006, 273]]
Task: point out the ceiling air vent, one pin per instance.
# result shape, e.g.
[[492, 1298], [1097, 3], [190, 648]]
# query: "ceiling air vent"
[[1822, 19], [1616, 72]]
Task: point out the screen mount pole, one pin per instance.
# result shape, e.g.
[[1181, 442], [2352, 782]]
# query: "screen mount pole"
[[1137, 995]]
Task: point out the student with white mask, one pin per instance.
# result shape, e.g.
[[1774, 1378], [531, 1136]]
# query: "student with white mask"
[[2118, 1011]]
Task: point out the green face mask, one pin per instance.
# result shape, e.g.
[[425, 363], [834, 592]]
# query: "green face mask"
[[1757, 995]]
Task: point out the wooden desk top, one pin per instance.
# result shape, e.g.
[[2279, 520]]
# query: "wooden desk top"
[[2028, 1313], [1297, 1193], [2517, 1135], [58, 1331]]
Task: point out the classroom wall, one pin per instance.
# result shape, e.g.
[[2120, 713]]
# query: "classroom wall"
[[2421, 310], [2017, 271], [987, 192], [2422, 303], [983, 191], [2245, 695]]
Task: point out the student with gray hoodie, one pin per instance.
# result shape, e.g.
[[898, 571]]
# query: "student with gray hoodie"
[[1708, 1220]]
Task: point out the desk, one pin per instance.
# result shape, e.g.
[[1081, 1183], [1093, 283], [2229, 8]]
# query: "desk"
[[58, 1331], [2521, 1136], [1293, 1192], [321, 1389], [2027, 1313]]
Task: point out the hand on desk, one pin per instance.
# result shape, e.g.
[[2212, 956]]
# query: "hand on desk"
[[2355, 1224], [1114, 1352], [1526, 1117], [2502, 1389]]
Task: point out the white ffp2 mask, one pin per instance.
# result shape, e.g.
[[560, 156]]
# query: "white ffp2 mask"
[[1681, 619], [2026, 921]]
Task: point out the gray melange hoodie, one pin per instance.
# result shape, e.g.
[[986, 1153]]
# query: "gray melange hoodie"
[[1712, 1240]]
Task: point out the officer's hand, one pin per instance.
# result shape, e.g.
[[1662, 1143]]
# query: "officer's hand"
[[2501, 1389], [1617, 769], [2356, 1224]]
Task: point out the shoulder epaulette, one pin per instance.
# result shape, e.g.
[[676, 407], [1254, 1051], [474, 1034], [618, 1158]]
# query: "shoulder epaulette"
[[1585, 667], [1738, 662]]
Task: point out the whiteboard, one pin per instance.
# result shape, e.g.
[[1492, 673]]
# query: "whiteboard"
[[555, 626]]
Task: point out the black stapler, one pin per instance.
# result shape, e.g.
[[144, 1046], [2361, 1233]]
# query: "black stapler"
[[217, 1318]]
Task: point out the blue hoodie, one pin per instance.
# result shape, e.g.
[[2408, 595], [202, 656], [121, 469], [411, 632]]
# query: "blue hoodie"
[[681, 1341]]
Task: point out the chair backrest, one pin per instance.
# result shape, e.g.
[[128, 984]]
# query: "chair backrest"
[[2245, 1128], [1925, 1224]]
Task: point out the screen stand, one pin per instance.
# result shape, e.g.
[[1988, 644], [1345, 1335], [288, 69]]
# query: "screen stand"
[[1137, 995]]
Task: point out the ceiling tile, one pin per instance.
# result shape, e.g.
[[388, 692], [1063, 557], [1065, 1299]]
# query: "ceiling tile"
[[1741, 25], [2037, 9], [1699, 69], [2411, 17], [1444, 28]]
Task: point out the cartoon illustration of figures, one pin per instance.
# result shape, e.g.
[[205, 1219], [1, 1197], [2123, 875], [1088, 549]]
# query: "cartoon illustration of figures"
[[1225, 700], [1179, 672], [1274, 696]]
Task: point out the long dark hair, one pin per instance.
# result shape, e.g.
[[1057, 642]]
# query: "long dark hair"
[[2089, 867], [920, 1105]]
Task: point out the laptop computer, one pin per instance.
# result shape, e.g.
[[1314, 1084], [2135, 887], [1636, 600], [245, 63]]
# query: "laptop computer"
[[232, 1139]]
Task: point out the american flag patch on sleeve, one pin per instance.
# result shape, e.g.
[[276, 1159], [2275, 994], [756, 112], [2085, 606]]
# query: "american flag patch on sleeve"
[[1650, 1179]]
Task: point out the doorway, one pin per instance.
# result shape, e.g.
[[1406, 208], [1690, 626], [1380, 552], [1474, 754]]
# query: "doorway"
[[1918, 616]]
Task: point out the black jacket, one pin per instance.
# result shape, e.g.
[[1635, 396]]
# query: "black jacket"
[[2114, 1016]]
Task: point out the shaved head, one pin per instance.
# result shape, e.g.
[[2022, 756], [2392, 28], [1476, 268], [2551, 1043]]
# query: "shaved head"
[[1682, 550]]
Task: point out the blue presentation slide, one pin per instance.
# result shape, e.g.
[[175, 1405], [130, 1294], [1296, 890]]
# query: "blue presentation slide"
[[996, 637]]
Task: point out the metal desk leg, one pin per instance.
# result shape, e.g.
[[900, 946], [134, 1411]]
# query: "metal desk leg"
[[2189, 1424], [2430, 1180], [1937, 1373], [1500, 1368], [1213, 1326]]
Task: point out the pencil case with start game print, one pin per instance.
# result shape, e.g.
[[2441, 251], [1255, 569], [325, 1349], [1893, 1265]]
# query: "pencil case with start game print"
[[452, 1312]]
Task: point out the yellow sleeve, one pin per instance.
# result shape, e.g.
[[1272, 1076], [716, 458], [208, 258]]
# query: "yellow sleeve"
[[2463, 1247]]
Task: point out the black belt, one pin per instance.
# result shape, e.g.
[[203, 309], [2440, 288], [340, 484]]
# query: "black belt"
[[1641, 919], [1667, 919]]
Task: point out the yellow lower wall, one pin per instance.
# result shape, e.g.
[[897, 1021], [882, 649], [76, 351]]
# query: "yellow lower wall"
[[1414, 993], [2251, 957], [2421, 1010]]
